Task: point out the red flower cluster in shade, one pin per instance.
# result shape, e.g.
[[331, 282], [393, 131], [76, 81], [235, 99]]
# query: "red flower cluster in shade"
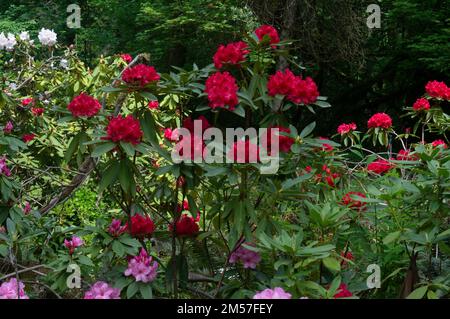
[[421, 104], [296, 89], [140, 75], [84, 105], [186, 226], [326, 147], [348, 256], [347, 200], [244, 152], [126, 129], [27, 101], [381, 120], [221, 89], [346, 128], [343, 292], [126, 58], [232, 53], [141, 226], [28, 137], [37, 111], [268, 30], [184, 206], [380, 166], [439, 143], [171, 135], [196, 144], [406, 156], [188, 123], [438, 90], [284, 142], [327, 176], [153, 105]]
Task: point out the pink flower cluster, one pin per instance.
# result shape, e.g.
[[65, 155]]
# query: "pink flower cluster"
[[8, 127], [380, 120], [221, 89], [296, 89], [276, 293], [438, 90], [13, 290], [101, 290], [232, 54], [248, 257], [141, 267], [4, 170], [116, 228], [346, 128], [73, 243]]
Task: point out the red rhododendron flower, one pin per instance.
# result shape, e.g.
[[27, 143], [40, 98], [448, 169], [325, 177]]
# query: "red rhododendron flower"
[[221, 89], [343, 292], [171, 135], [347, 255], [153, 105], [186, 226], [347, 200], [233, 53], [140, 75], [346, 128], [284, 142], [327, 176], [421, 105], [281, 83], [188, 123], [381, 120], [438, 90], [326, 147], [27, 101], [126, 57], [196, 144], [141, 226], [406, 156], [244, 152], [439, 143], [28, 137], [37, 111], [267, 30], [184, 206], [380, 166], [126, 129], [8, 127], [84, 105]]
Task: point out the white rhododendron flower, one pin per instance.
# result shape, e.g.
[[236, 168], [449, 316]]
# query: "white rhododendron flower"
[[47, 37], [3, 41], [11, 43], [64, 63], [24, 36]]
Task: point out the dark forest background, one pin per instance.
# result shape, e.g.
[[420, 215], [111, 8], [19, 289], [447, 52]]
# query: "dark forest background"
[[361, 70]]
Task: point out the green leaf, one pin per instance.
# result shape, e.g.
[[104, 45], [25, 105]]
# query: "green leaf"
[[391, 237], [118, 248], [419, 293], [332, 264], [132, 290], [128, 148], [85, 261], [109, 176], [146, 291], [102, 149], [308, 130]]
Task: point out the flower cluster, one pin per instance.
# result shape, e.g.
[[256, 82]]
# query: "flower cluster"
[[380, 166], [73, 243], [84, 105], [13, 290], [232, 53], [101, 290], [141, 226], [186, 226], [438, 90], [221, 89], [126, 58], [276, 293], [284, 142], [28, 137], [421, 104], [47, 37], [327, 176], [346, 256], [439, 143], [248, 257], [244, 152], [140, 75], [153, 105], [126, 129], [406, 156], [8, 127], [350, 201], [7, 42], [27, 101], [116, 228], [343, 292], [142, 268], [37, 111], [380, 120], [4, 170], [268, 31], [346, 128], [296, 89]]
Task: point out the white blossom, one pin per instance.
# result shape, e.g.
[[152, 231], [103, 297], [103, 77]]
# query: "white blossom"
[[3, 41], [64, 63], [11, 42], [24, 36], [47, 37]]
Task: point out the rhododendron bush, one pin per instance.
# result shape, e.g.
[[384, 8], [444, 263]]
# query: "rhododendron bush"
[[369, 195]]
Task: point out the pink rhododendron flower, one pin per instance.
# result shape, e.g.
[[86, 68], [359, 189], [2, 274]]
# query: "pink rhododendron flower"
[[8, 127], [27, 101], [73, 243], [4, 170], [232, 53], [140, 75], [276, 293], [116, 228], [438, 143], [27, 208], [267, 30], [142, 268], [381, 120], [84, 105], [438, 90], [221, 89], [13, 290], [248, 257], [380, 166], [421, 105], [2, 229], [101, 290], [346, 128], [153, 105], [28, 137]]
